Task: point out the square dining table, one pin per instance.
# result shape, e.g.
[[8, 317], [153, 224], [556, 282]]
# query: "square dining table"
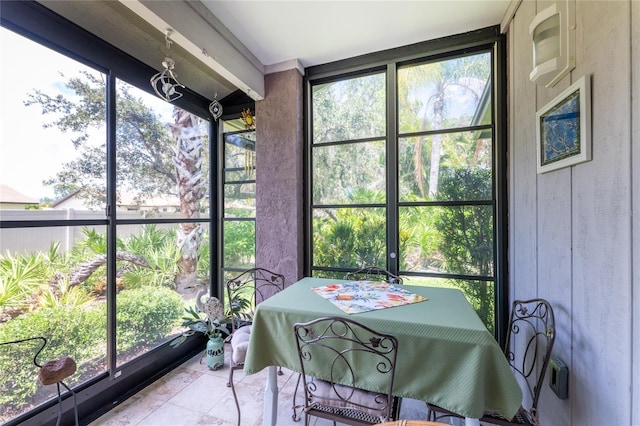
[[446, 355]]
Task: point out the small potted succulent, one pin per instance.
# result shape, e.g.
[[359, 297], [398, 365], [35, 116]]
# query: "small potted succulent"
[[209, 322]]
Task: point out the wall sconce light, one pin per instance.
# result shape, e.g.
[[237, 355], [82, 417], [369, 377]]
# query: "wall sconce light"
[[553, 35], [165, 83]]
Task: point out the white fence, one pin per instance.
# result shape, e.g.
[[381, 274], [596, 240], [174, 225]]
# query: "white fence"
[[30, 240]]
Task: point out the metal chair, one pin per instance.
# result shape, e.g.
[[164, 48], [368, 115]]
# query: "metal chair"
[[532, 332], [339, 358], [53, 372], [244, 293], [373, 273]]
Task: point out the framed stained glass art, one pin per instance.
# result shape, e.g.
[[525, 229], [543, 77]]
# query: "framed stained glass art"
[[563, 128]]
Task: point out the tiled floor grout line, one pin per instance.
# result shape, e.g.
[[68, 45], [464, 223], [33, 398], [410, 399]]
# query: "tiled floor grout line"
[[178, 398]]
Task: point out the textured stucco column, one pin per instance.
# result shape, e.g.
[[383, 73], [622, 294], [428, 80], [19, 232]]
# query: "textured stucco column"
[[279, 187]]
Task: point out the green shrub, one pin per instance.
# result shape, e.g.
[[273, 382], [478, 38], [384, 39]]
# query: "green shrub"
[[70, 331], [466, 232], [145, 316], [20, 277], [158, 247]]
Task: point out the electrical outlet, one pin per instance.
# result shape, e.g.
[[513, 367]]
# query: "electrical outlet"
[[559, 378]]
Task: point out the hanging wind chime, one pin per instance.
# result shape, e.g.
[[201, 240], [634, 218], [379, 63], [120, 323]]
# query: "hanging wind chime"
[[249, 156], [165, 83], [215, 108]]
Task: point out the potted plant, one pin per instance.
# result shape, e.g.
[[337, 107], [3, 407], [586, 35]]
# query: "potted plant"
[[208, 322]]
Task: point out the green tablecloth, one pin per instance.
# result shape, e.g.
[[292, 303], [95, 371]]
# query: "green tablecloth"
[[446, 356]]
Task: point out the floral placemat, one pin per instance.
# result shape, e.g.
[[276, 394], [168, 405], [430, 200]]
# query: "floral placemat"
[[363, 296]]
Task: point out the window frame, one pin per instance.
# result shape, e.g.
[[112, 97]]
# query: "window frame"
[[99, 394], [224, 220], [483, 40]]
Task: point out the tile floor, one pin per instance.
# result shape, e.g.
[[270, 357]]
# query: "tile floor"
[[194, 395]]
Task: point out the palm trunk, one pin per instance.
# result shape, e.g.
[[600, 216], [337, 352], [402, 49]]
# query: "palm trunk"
[[436, 144], [187, 160]]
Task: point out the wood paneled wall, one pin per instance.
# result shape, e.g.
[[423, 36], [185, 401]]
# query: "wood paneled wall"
[[573, 235]]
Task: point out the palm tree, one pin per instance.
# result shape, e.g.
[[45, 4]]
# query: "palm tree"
[[151, 158], [439, 80], [187, 159]]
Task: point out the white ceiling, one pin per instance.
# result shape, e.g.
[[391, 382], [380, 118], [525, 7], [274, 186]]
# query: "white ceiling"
[[224, 45], [322, 31]]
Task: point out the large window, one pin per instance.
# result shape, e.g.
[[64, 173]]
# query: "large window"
[[105, 219], [162, 173], [42, 289], [239, 197], [406, 170], [348, 174]]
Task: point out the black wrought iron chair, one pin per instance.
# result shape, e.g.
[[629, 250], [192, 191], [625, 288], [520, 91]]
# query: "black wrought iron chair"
[[373, 273], [333, 386], [53, 372], [244, 293], [530, 339]]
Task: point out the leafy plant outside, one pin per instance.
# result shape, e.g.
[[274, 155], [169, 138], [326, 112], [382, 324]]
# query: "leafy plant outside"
[[37, 299]]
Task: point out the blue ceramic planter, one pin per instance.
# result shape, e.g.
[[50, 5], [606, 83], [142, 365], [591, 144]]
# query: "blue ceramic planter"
[[215, 353]]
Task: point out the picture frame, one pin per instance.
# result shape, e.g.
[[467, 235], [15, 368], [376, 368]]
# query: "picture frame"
[[563, 128]]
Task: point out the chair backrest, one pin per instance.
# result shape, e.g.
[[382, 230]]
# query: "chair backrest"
[[246, 290], [373, 273], [530, 338], [348, 357]]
